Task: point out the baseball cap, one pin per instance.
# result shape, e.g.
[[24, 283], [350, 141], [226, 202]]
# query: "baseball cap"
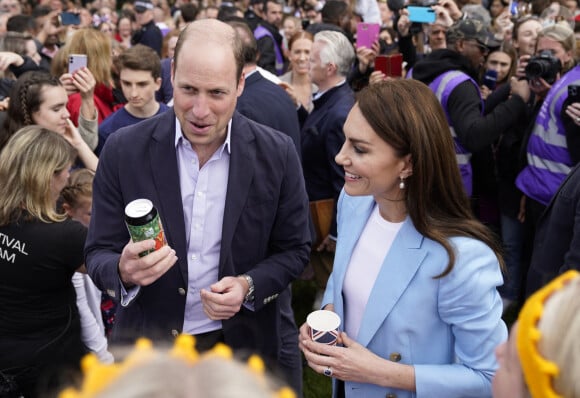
[[472, 29], [143, 5]]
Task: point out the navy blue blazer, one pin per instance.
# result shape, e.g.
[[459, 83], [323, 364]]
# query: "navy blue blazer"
[[265, 228], [267, 103], [322, 137]]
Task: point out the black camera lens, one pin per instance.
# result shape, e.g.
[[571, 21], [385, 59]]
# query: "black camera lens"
[[545, 66]]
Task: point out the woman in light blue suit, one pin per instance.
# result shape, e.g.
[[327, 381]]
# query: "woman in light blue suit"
[[415, 274]]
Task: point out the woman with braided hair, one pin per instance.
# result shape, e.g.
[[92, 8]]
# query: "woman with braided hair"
[[39, 98]]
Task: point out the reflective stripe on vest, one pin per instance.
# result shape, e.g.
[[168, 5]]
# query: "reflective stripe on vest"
[[262, 32], [548, 157], [443, 86]]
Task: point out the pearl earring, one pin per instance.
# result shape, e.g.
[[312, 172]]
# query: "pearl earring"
[[402, 183]]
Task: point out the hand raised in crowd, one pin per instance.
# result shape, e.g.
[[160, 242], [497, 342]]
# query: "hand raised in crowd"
[[143, 271], [442, 16], [8, 58], [378, 76], [452, 8], [50, 27], [85, 82], [520, 88], [366, 56], [290, 91], [225, 298], [521, 69], [573, 110], [404, 23], [540, 87], [82, 81], [505, 24]]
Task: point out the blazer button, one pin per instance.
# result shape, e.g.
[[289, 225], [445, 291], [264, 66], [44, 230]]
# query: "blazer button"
[[395, 357], [181, 291], [391, 395], [175, 333]]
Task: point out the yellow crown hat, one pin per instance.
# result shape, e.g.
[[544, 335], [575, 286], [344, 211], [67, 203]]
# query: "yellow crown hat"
[[97, 375], [539, 372]]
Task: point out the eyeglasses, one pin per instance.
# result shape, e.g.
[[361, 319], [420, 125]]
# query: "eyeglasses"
[[484, 50]]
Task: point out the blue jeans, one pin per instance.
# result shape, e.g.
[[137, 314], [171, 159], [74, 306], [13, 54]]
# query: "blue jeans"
[[512, 233]]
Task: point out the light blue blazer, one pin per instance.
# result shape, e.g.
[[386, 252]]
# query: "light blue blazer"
[[447, 328]]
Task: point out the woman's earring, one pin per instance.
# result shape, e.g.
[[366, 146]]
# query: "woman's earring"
[[402, 183]]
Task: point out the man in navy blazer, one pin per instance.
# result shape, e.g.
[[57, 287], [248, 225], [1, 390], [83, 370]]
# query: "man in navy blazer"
[[233, 246]]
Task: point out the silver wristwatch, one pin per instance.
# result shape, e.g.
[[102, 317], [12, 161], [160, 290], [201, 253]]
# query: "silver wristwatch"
[[250, 295]]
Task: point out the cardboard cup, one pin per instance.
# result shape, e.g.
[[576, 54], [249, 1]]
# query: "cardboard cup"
[[323, 326]]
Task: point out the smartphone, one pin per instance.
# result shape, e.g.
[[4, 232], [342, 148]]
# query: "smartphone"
[[396, 65], [573, 93], [69, 18], [367, 34], [421, 14], [76, 61], [490, 79], [390, 65]]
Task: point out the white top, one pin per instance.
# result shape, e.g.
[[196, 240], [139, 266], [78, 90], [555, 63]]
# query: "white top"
[[364, 266]]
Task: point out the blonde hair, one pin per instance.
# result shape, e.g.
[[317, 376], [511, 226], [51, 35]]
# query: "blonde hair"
[[560, 342], [97, 46], [80, 185], [28, 163], [562, 33]]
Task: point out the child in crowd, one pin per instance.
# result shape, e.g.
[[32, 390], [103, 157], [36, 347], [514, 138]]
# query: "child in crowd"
[[76, 201]]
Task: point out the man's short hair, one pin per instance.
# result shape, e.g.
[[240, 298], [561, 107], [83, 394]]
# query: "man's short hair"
[[140, 57]]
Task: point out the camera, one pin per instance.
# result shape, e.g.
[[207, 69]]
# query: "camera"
[[545, 65]]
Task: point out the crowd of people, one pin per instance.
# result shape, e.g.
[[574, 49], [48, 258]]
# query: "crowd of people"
[[424, 202]]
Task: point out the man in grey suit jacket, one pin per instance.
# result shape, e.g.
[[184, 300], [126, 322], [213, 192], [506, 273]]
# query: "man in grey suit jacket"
[[231, 198]]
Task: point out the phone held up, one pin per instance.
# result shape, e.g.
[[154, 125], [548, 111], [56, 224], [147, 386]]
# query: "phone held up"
[[69, 18], [367, 34], [573, 93], [390, 65], [419, 14], [76, 61]]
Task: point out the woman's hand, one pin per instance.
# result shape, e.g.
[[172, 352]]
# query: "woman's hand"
[[366, 56], [404, 23], [8, 58], [376, 77], [351, 362], [85, 82], [290, 91], [573, 110], [539, 87], [521, 69]]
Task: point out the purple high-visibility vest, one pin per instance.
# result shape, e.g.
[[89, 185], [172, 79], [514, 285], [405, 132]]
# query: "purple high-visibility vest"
[[260, 32], [443, 86], [549, 160]]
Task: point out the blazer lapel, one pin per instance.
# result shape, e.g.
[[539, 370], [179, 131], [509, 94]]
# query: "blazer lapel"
[[242, 163], [166, 183], [397, 271]]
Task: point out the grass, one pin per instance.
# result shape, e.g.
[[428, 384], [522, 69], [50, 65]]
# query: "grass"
[[303, 293]]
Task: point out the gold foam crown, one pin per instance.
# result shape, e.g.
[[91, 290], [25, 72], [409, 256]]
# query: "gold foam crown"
[[97, 376], [539, 372]]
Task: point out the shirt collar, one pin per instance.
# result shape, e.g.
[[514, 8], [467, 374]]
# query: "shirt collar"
[[319, 94]]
